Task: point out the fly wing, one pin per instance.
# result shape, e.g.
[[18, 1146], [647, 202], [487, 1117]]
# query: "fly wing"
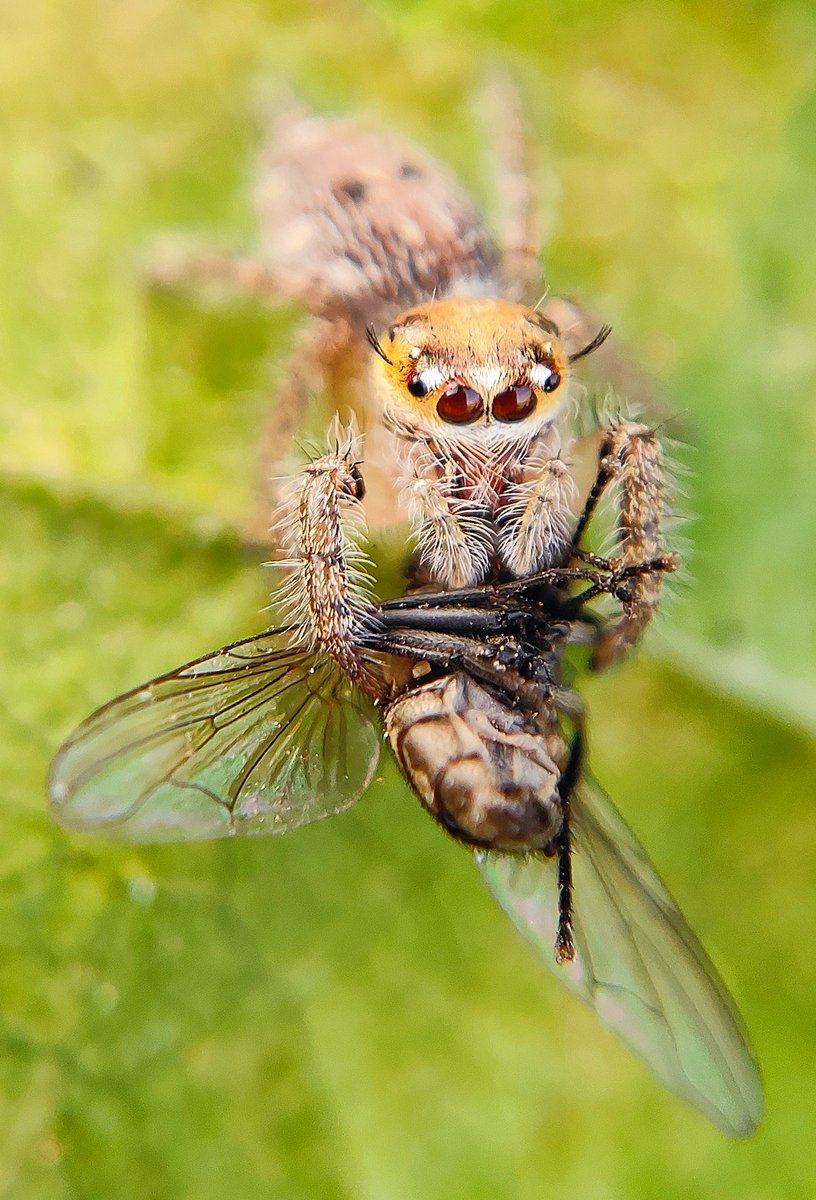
[[638, 964], [257, 738]]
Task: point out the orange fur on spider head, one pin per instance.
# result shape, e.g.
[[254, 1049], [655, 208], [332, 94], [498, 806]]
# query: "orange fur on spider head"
[[471, 367]]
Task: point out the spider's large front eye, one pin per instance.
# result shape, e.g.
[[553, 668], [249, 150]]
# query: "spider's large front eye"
[[514, 403], [460, 405]]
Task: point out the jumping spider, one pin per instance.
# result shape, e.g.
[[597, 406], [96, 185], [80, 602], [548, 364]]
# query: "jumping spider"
[[422, 324]]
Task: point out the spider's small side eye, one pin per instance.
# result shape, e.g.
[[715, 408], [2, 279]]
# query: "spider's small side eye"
[[544, 375], [460, 405], [353, 190], [418, 387]]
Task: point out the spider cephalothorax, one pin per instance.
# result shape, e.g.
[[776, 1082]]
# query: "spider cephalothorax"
[[474, 388], [472, 368]]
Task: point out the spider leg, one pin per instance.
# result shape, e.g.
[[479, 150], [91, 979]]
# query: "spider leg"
[[610, 368], [178, 263], [314, 367], [322, 523], [631, 460], [511, 164]]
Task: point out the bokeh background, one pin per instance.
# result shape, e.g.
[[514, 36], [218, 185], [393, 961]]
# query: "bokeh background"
[[345, 1013]]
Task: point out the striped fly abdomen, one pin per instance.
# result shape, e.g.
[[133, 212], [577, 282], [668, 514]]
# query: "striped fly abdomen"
[[480, 767]]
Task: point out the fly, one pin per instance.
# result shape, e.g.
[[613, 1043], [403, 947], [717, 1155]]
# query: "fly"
[[268, 734]]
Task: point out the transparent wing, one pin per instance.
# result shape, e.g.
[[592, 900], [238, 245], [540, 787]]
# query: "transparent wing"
[[638, 964], [258, 738]]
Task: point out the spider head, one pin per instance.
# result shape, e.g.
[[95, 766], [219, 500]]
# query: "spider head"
[[464, 367]]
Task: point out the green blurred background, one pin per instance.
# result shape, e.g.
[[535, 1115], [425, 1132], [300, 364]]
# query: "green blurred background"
[[345, 1013]]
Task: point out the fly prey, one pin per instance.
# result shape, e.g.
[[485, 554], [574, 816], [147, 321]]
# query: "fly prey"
[[270, 733]]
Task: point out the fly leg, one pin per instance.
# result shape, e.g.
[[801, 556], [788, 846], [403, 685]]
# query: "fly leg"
[[323, 527], [564, 939]]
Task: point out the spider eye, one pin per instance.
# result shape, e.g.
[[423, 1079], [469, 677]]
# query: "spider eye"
[[460, 405], [552, 382], [417, 387], [516, 403]]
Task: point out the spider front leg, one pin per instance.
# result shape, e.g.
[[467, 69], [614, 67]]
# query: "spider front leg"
[[323, 527], [631, 460], [611, 365]]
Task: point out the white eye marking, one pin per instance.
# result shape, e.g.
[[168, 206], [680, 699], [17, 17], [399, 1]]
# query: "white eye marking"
[[486, 379], [539, 375], [414, 353], [430, 378]]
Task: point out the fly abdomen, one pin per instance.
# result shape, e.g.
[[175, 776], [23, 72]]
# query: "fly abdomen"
[[477, 765]]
